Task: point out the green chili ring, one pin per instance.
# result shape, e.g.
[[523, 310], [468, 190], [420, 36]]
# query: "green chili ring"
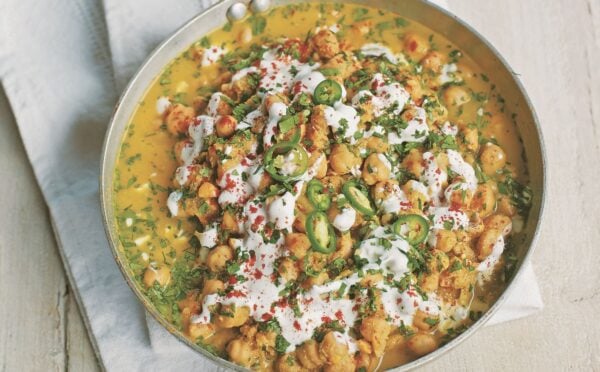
[[412, 227], [320, 200], [272, 155], [320, 232], [328, 92], [358, 198]]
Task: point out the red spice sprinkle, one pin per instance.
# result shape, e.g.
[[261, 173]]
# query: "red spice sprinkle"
[[235, 293], [326, 319], [253, 209], [255, 307], [232, 280], [266, 317], [258, 274], [297, 325], [339, 315]]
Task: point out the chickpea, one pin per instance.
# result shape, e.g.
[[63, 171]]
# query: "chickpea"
[[208, 190], [486, 242], [179, 118], [415, 195], [425, 321], [433, 61], [288, 269], [333, 183], [471, 138], [506, 206], [343, 247], [206, 210], [445, 240], [245, 35], [317, 129], [311, 281], [300, 222], [492, 159], [322, 168], [180, 148], [326, 43], [413, 162], [335, 353], [375, 169], [217, 258], [375, 330], [288, 363], [415, 87], [201, 331], [415, 46], [298, 244], [272, 99], [309, 356], [212, 286], [199, 103], [225, 126], [342, 160], [236, 316], [422, 343], [499, 222], [484, 200], [384, 189], [161, 275], [240, 352], [229, 222], [429, 282], [375, 144], [396, 341], [344, 63], [455, 96]]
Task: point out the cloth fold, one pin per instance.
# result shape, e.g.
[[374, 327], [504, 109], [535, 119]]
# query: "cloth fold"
[[62, 64]]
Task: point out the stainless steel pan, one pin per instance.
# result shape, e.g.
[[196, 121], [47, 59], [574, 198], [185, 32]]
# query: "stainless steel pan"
[[421, 11]]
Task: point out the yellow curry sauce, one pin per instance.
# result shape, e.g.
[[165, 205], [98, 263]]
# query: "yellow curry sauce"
[[380, 236]]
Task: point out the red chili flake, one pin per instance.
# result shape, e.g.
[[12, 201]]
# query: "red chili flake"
[[253, 209], [255, 307], [412, 46], [297, 325], [258, 274], [266, 317], [229, 183], [235, 293], [454, 207], [326, 319], [339, 315], [232, 280]]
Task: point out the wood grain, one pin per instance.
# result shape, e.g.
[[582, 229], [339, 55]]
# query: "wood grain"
[[32, 285], [555, 48]]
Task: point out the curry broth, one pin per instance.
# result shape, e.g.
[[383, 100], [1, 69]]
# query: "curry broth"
[[147, 162]]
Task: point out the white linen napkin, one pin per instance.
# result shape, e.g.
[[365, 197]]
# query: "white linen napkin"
[[62, 64]]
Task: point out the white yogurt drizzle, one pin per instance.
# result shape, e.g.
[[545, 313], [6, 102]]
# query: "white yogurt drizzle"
[[382, 250]]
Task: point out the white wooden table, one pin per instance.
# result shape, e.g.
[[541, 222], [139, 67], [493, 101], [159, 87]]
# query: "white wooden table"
[[554, 45]]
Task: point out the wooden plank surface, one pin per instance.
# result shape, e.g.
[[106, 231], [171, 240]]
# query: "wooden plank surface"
[[553, 45]]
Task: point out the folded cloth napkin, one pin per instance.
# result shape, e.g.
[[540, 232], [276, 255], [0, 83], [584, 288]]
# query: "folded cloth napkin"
[[62, 65]]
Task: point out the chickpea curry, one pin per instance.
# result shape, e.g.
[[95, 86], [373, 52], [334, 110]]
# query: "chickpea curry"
[[321, 187]]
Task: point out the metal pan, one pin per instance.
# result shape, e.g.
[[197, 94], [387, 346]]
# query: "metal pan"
[[421, 11]]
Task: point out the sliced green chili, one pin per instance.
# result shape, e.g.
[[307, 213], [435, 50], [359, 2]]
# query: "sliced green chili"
[[328, 92], [358, 198], [412, 227], [316, 195], [320, 232], [277, 160]]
